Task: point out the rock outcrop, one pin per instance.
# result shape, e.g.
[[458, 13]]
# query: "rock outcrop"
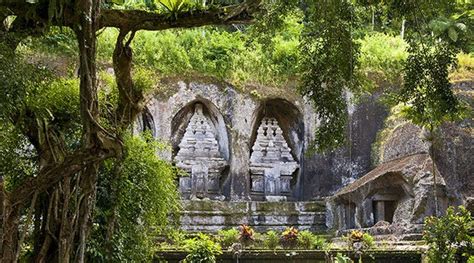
[[237, 147]]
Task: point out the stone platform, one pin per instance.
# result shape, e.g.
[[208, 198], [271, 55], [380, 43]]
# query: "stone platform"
[[211, 216]]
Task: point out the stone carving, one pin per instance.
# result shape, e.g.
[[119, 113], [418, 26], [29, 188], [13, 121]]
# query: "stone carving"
[[271, 163], [200, 157]]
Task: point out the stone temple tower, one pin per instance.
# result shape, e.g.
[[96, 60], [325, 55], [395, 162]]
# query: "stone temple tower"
[[200, 157], [271, 163]]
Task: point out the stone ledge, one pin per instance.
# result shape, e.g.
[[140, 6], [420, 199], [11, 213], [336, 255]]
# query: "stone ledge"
[[284, 256], [211, 216]]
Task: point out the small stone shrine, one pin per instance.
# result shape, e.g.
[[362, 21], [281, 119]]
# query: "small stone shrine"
[[271, 163], [200, 157]]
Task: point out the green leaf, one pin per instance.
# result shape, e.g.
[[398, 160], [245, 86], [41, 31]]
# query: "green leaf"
[[461, 26], [118, 2], [453, 34]]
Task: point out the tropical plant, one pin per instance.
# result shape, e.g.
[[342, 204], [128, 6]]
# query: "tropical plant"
[[136, 207], [271, 240], [450, 236], [289, 237], [359, 240], [308, 240], [228, 237], [202, 249], [340, 258], [247, 234]]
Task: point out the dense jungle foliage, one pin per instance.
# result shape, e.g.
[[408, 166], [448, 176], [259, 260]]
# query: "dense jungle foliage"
[[77, 185]]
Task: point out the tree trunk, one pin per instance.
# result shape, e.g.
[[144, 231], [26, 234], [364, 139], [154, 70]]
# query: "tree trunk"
[[10, 231]]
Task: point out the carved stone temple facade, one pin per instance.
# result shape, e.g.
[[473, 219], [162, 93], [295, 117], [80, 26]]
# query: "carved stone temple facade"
[[200, 157], [271, 163], [247, 160]]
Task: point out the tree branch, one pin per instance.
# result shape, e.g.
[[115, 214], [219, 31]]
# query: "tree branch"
[[145, 20], [133, 20], [72, 164]]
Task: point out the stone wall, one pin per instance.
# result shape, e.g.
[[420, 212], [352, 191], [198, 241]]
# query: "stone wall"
[[236, 117], [375, 135], [210, 216]]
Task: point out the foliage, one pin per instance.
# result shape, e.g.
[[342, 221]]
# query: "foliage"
[[340, 258], [228, 237], [328, 67], [308, 240], [289, 237], [247, 234], [139, 193], [465, 68], [21, 81], [208, 51], [359, 237], [449, 237], [17, 156], [383, 54], [426, 90], [271, 240], [31, 96], [202, 250]]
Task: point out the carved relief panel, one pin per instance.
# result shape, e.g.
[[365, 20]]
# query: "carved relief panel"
[[271, 163], [200, 157]]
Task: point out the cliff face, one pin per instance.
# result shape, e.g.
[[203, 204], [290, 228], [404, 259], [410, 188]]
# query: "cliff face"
[[375, 135]]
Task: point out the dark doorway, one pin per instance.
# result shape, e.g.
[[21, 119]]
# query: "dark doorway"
[[350, 211], [384, 210]]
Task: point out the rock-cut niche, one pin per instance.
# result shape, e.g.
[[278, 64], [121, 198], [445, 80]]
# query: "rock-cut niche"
[[200, 148], [277, 143]]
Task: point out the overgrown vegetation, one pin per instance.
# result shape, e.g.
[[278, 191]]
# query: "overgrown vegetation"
[[135, 200], [450, 237], [228, 237], [202, 249]]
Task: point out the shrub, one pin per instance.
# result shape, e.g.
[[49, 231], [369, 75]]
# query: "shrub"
[[289, 237], [308, 240], [228, 237], [368, 240], [464, 69], [246, 235], [360, 240], [448, 236], [202, 249], [271, 240], [384, 54], [340, 258]]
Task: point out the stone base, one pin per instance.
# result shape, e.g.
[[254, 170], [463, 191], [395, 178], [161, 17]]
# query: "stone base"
[[275, 198], [211, 216]]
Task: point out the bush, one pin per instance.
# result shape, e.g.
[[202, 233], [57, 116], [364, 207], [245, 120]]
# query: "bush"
[[464, 69], [228, 237], [360, 240], [384, 54], [449, 236], [308, 240], [246, 235], [271, 240], [202, 249], [340, 258], [289, 237]]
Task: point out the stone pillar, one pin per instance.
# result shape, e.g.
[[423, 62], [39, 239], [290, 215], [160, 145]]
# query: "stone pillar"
[[379, 211]]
